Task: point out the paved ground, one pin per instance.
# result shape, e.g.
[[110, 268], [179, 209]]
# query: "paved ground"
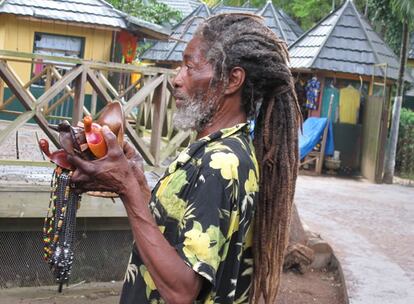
[[371, 228]]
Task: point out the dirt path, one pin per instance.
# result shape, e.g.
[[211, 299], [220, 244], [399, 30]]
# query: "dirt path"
[[371, 228]]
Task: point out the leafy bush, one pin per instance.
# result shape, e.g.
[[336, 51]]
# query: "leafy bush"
[[405, 149]]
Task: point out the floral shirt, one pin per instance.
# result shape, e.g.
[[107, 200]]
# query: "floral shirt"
[[204, 206]]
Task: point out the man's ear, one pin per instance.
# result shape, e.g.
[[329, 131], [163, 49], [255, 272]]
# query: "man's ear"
[[236, 80]]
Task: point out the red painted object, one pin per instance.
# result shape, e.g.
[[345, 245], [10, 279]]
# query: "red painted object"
[[59, 157]]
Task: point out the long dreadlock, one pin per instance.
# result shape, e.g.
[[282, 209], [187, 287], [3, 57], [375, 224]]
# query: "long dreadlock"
[[242, 40]]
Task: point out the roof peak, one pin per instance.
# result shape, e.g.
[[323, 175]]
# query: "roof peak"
[[343, 41]]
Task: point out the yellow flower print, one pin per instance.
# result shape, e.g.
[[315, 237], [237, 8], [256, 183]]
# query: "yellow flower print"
[[167, 194], [227, 163], [197, 244], [150, 285], [148, 280], [251, 185], [249, 236]]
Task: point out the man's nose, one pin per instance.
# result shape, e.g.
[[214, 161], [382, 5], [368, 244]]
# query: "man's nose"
[[178, 79]]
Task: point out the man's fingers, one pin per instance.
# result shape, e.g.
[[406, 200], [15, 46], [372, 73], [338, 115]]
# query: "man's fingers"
[[110, 138], [80, 178], [129, 150], [81, 164]]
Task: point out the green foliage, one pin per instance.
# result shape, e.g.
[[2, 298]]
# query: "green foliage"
[[311, 11], [386, 23], [404, 9], [405, 148], [152, 11]]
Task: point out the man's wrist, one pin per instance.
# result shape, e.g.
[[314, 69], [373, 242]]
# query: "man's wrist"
[[130, 188]]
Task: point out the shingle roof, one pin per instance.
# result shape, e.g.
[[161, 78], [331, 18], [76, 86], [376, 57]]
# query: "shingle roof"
[[276, 19], [280, 23], [184, 6], [171, 51], [411, 47], [222, 9], [94, 12], [344, 41]]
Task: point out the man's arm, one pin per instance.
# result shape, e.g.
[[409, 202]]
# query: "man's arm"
[[175, 281]]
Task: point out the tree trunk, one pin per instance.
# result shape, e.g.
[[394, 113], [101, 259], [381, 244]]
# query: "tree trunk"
[[392, 146]]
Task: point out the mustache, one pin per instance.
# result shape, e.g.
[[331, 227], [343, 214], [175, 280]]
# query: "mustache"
[[179, 95]]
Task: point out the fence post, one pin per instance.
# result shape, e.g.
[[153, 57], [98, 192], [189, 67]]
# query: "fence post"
[[1, 92], [79, 99], [158, 119]]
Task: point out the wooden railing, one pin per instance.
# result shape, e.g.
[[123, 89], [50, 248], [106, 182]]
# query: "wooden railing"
[[148, 103]]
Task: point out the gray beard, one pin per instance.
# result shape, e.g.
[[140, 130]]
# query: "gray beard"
[[195, 113]]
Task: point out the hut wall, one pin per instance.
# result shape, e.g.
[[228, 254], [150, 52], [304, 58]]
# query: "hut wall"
[[17, 34], [2, 32]]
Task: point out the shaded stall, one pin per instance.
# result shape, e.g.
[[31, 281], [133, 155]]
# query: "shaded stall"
[[344, 58]]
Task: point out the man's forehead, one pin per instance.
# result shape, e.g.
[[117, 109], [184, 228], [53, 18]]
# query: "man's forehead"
[[195, 49]]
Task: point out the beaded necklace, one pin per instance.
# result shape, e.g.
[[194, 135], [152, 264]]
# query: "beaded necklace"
[[59, 226]]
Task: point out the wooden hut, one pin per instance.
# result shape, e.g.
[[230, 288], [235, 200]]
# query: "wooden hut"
[[87, 29], [343, 56], [169, 54]]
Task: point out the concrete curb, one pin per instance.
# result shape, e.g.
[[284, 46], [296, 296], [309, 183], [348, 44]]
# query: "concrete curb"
[[335, 263]]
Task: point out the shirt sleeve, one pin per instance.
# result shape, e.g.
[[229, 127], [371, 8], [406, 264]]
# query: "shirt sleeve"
[[206, 225]]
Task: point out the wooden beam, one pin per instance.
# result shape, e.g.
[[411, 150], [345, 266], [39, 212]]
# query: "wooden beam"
[[79, 99], [96, 65], [98, 87], [44, 125], [68, 89], [108, 85], [139, 144], [26, 98], [94, 101], [159, 103], [131, 86], [30, 201], [16, 86], [20, 162], [174, 144], [48, 82], [59, 86], [26, 85], [140, 96], [57, 103], [15, 125], [1, 92]]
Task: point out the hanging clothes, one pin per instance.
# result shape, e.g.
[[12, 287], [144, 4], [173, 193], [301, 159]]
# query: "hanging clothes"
[[349, 100], [326, 98], [312, 93]]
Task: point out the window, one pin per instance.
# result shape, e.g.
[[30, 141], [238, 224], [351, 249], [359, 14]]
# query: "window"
[[56, 45], [62, 46]]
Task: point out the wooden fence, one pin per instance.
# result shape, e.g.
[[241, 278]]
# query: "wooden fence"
[[147, 101]]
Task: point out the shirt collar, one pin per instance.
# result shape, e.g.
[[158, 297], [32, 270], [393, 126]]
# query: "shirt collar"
[[192, 149]]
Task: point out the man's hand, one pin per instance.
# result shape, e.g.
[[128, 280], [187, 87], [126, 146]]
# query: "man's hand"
[[116, 172]]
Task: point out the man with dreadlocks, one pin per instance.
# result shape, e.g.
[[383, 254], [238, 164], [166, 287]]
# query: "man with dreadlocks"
[[216, 225]]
